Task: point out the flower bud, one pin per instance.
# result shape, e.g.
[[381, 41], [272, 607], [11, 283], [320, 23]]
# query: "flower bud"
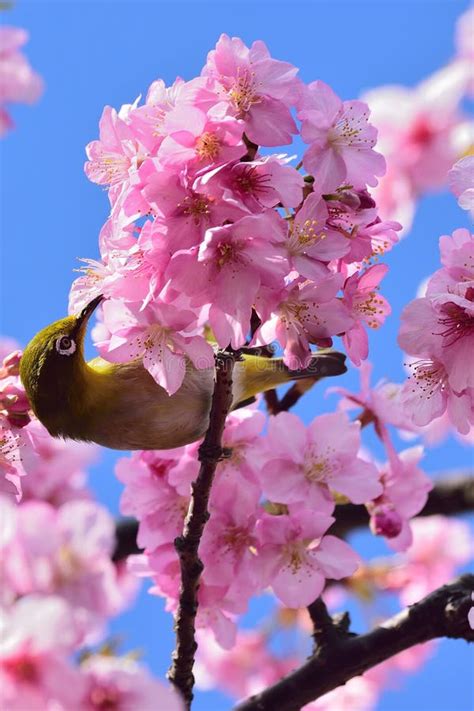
[[385, 521]]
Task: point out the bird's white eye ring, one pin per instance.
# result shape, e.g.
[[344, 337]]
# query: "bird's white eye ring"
[[65, 345]]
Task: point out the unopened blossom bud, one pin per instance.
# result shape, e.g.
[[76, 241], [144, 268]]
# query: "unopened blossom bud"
[[385, 521], [14, 405]]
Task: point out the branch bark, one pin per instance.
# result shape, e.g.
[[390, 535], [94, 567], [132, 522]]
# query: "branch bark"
[[443, 613], [187, 545], [452, 495]]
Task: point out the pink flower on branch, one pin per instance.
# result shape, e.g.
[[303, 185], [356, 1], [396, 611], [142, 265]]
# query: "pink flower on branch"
[[200, 140], [367, 306], [340, 138], [121, 683], [254, 185], [228, 270], [258, 89], [315, 462], [405, 491], [158, 335], [308, 313], [38, 633], [297, 557]]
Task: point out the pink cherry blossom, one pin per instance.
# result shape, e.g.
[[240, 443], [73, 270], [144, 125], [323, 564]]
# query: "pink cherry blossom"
[[122, 683], [442, 327], [381, 403], [155, 335], [10, 461], [116, 153], [418, 133], [340, 137], [457, 258], [427, 395], [152, 494], [241, 440], [309, 313], [316, 461], [255, 185], [56, 470], [72, 561], [231, 265], [439, 546], [186, 212], [228, 544], [37, 634], [297, 557], [461, 182], [405, 491], [311, 242], [367, 306], [18, 82], [258, 89], [147, 121], [201, 140], [246, 669]]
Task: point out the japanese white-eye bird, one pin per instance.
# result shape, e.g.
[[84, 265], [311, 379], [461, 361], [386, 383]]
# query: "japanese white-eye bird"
[[119, 405]]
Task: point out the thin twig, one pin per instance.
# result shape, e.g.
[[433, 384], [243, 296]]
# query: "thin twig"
[[443, 613], [187, 545]]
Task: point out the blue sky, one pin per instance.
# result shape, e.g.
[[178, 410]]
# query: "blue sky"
[[93, 53]]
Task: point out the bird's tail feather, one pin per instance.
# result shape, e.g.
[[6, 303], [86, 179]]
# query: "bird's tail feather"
[[256, 374]]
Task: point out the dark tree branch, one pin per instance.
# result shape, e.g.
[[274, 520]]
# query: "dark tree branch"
[[187, 545], [452, 495], [327, 630], [443, 613], [126, 530]]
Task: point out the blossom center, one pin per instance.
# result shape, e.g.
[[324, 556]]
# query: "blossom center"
[[305, 235], [456, 322], [250, 181], [237, 538], [226, 253], [347, 129], [295, 311], [430, 377], [208, 146], [115, 167], [317, 470], [196, 207], [22, 668], [369, 307], [243, 92]]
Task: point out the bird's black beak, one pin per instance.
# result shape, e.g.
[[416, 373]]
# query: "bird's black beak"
[[88, 310]]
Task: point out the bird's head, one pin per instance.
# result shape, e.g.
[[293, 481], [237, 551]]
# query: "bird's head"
[[53, 363]]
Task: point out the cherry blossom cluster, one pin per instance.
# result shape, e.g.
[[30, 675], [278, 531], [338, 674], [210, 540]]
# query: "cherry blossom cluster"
[[208, 227], [423, 130], [440, 545], [18, 82], [59, 586], [437, 331], [272, 505]]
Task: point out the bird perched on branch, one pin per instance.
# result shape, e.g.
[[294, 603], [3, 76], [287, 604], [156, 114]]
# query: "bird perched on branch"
[[119, 405]]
